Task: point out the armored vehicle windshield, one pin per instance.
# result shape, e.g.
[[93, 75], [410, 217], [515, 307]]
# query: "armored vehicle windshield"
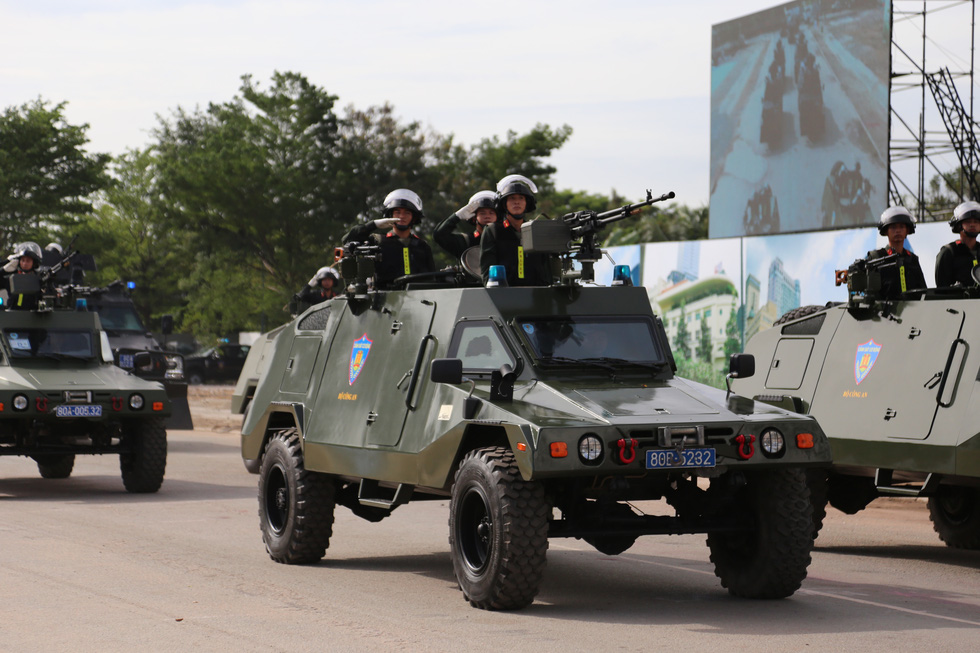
[[575, 338], [120, 317], [49, 343]]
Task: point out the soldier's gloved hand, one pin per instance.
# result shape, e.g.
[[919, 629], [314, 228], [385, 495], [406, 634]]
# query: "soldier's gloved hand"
[[12, 262], [385, 223], [467, 213]]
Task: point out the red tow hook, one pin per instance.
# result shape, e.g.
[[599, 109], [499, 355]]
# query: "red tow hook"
[[117, 403], [627, 450], [745, 447], [41, 403]]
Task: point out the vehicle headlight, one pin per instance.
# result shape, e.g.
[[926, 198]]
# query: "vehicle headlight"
[[590, 448], [136, 401], [175, 366], [20, 402], [773, 443]]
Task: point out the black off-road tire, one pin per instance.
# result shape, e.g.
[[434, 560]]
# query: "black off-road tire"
[[296, 506], [955, 515], [55, 465], [816, 480], [771, 560], [797, 313], [143, 467], [498, 531]]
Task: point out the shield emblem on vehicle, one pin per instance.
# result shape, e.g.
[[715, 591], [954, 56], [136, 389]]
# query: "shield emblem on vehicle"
[[358, 355], [865, 359]]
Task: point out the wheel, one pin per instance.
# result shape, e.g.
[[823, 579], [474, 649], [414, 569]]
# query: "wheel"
[[955, 515], [143, 466], [195, 379], [498, 531], [295, 505], [816, 480], [57, 465], [613, 545], [770, 560]]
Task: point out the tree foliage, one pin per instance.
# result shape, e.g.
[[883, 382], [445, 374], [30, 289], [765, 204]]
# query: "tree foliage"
[[671, 223], [46, 176], [681, 345]]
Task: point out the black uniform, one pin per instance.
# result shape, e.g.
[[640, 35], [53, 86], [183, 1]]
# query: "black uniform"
[[907, 275], [955, 262], [315, 295], [398, 256], [501, 245], [453, 242]]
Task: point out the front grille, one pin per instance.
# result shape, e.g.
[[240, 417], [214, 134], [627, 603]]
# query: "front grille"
[[77, 396]]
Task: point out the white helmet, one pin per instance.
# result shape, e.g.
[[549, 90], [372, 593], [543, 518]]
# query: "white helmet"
[[406, 199]]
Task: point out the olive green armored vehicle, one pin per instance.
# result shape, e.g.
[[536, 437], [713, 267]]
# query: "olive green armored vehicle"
[[540, 412], [895, 384], [61, 395]]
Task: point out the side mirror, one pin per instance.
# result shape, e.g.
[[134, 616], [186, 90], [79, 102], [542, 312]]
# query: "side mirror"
[[143, 361], [741, 366], [446, 370], [167, 324]]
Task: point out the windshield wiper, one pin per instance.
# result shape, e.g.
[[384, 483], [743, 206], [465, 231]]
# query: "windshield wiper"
[[589, 362], [623, 361]]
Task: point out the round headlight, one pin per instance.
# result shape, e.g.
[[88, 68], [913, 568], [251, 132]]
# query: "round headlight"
[[590, 448], [136, 401], [773, 443], [20, 402]]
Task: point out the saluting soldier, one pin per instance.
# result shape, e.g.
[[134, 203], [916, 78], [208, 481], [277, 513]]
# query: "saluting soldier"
[[501, 242], [478, 213], [402, 252]]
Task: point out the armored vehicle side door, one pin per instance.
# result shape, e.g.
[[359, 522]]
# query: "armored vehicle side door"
[[364, 392], [882, 378]]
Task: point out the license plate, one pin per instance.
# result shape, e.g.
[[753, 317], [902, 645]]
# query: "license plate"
[[78, 411], [672, 459], [126, 361]]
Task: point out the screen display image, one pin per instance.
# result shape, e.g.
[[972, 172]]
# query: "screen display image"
[[799, 118]]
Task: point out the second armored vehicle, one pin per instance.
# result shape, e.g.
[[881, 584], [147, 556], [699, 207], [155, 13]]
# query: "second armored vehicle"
[[61, 395], [540, 412], [895, 384]]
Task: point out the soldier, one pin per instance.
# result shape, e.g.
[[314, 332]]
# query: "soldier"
[[956, 260], [479, 212], [26, 259], [402, 252], [321, 287], [501, 242], [896, 224]]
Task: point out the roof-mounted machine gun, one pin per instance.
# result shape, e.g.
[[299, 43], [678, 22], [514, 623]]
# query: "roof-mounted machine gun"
[[573, 236]]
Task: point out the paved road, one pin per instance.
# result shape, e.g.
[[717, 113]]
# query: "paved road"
[[84, 566]]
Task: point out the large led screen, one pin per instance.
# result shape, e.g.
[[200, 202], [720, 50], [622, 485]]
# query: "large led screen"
[[799, 118]]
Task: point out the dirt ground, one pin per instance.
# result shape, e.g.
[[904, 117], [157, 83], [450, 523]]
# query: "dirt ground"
[[211, 408]]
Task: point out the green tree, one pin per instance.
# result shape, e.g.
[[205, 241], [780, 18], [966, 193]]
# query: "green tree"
[[46, 176], [682, 336], [733, 341], [704, 341]]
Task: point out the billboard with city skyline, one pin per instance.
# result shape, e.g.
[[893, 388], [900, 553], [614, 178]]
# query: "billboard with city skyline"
[[799, 118]]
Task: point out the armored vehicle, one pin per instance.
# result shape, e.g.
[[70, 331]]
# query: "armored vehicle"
[[540, 412], [61, 395], [894, 384]]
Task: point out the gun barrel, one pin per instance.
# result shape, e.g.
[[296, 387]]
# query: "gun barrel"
[[628, 210]]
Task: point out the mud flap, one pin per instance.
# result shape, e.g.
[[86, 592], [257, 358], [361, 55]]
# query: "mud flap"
[[180, 419]]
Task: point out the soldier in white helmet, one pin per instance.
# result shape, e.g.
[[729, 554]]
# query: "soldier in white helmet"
[[26, 259], [956, 260], [402, 252], [896, 224], [479, 212], [324, 285]]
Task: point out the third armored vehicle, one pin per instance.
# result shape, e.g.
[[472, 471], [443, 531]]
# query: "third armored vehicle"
[[540, 412], [894, 384]]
